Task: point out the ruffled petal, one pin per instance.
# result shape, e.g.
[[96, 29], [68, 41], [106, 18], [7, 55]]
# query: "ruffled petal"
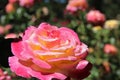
[[82, 70], [26, 72], [82, 64], [40, 76], [18, 68], [73, 36], [17, 48], [29, 32], [41, 64]]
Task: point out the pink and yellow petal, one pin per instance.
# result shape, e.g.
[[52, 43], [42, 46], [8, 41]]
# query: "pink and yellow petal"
[[48, 76], [17, 48], [18, 68], [29, 32]]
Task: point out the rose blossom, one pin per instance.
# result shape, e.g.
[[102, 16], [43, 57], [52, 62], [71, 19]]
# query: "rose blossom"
[[95, 17], [26, 3], [8, 27], [74, 5], [111, 24], [110, 49], [96, 28], [9, 8], [12, 1], [5, 29], [1, 30], [49, 52]]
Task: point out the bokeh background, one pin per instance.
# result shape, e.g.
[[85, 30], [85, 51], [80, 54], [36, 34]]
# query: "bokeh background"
[[100, 32]]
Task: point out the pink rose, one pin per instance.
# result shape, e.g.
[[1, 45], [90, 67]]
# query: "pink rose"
[[10, 8], [12, 1], [8, 27], [110, 49], [26, 3], [1, 30], [74, 5], [49, 52], [4, 75], [95, 17], [5, 29]]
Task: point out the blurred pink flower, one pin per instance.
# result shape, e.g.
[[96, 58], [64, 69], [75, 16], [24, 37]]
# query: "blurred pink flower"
[[74, 5], [11, 35], [9, 8], [4, 29], [13, 1], [1, 30], [4, 75], [95, 17], [110, 49], [26, 3], [49, 52], [7, 27]]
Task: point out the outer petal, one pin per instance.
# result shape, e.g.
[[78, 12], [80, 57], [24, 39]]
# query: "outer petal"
[[47, 77], [17, 48], [29, 32], [81, 51], [27, 52], [23, 71], [18, 68], [82, 64], [20, 50], [82, 70]]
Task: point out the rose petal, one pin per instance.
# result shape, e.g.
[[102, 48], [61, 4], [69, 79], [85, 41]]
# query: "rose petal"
[[82, 70], [29, 32], [41, 63], [46, 26], [81, 51], [82, 64], [17, 48], [18, 68], [69, 58], [43, 53], [47, 77], [27, 53], [23, 71], [73, 36]]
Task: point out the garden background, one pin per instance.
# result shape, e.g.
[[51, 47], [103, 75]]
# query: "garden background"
[[15, 18]]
